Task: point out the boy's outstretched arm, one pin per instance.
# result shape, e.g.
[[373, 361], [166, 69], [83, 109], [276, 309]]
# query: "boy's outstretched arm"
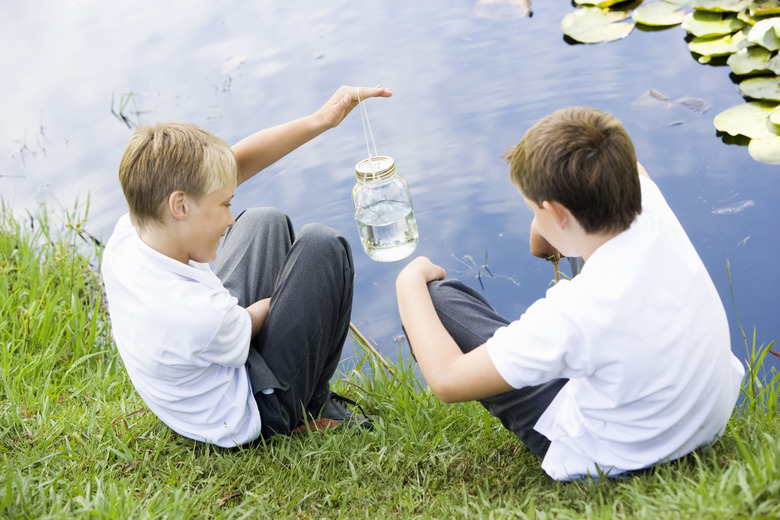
[[263, 148], [452, 375]]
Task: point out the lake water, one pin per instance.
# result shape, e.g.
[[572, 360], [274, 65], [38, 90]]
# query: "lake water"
[[465, 90]]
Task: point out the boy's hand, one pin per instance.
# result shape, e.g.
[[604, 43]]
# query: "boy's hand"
[[344, 100], [421, 269], [258, 312]]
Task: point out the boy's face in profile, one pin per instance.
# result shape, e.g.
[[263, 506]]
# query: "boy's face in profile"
[[207, 223], [545, 225]]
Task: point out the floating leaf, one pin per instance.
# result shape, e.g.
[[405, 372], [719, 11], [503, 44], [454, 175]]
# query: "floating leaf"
[[598, 3], [747, 18], [713, 46], [764, 7], [774, 64], [766, 88], [720, 6], [595, 25], [766, 150], [659, 14], [652, 110], [750, 119], [707, 23], [764, 33], [695, 105], [749, 60], [503, 9]]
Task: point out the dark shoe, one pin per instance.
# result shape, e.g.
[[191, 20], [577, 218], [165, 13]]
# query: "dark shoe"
[[335, 408]]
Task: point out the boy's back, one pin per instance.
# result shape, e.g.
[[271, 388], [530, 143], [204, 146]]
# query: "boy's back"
[[643, 338], [628, 364], [183, 340]]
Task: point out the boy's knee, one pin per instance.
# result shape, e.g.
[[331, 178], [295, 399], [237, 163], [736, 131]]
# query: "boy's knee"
[[265, 221], [444, 290], [325, 239], [267, 215]]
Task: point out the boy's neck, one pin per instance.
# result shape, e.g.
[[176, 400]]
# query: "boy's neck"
[[161, 239], [591, 242], [572, 239]]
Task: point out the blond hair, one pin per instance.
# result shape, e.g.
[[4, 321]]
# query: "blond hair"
[[168, 157], [584, 159]]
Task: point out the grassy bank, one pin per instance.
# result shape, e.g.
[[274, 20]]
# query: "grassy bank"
[[77, 442]]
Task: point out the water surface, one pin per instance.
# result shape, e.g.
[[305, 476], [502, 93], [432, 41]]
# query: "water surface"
[[465, 89]]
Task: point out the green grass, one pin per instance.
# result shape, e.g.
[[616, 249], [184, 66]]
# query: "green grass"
[[78, 442]]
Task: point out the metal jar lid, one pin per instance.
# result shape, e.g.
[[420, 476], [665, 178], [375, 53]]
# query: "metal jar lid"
[[375, 168]]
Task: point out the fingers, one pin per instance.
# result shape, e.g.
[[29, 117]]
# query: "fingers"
[[426, 269], [344, 100], [360, 93], [377, 91]]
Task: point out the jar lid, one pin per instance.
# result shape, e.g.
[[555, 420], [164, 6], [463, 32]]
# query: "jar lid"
[[375, 168]]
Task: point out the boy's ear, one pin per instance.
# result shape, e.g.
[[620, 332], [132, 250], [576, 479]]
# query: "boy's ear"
[[178, 205], [560, 214]]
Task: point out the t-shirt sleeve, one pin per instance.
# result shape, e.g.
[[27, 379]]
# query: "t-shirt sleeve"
[[230, 344], [544, 344]]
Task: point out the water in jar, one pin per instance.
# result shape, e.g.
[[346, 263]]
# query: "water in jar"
[[388, 230]]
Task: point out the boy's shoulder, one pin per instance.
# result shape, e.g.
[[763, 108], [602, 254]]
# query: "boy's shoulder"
[[142, 281]]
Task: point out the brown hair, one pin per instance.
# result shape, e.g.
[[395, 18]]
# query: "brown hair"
[[167, 157], [584, 159]]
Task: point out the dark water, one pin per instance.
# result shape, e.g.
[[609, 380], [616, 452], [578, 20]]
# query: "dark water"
[[466, 88]]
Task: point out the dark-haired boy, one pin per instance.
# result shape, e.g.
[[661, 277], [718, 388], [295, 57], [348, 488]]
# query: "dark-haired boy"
[[626, 365]]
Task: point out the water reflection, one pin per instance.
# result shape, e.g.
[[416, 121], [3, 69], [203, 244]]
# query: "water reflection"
[[466, 88]]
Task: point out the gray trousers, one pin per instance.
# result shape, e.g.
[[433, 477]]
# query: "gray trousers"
[[309, 281], [471, 321]]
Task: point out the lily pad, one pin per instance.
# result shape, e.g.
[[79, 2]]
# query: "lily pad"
[[747, 18], [764, 33], [749, 60], [774, 64], [750, 119], [764, 7], [503, 9], [720, 6], [766, 150], [708, 23], [598, 3], [659, 14], [652, 110], [766, 88], [713, 46], [595, 25]]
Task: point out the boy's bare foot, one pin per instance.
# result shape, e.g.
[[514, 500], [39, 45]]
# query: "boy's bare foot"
[[323, 423]]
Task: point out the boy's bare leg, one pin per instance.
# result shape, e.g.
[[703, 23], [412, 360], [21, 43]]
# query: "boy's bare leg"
[[471, 321]]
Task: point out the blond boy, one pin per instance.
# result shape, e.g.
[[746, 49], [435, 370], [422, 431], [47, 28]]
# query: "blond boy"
[[246, 351]]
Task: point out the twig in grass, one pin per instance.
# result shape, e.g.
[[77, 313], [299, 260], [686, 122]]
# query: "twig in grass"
[[556, 260], [123, 418], [374, 351]]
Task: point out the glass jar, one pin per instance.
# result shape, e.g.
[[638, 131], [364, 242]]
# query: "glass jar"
[[383, 210]]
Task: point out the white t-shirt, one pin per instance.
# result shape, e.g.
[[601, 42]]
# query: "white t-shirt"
[[183, 339], [642, 334]]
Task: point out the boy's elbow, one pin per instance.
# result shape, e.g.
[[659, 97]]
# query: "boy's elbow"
[[444, 390]]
